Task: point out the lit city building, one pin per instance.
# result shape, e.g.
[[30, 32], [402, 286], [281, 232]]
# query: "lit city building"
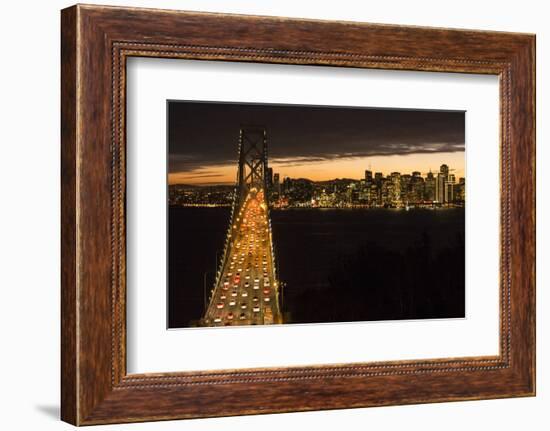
[[396, 190]]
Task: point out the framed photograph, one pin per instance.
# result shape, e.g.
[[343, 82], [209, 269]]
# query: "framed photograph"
[[300, 227], [326, 214]]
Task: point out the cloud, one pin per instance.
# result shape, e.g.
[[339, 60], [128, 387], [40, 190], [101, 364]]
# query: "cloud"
[[196, 163], [204, 136], [205, 175]]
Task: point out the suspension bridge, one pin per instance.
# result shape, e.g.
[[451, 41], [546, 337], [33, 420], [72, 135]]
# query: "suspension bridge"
[[246, 290]]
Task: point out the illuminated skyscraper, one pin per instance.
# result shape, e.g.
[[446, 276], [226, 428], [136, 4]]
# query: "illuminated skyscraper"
[[396, 182], [368, 177], [449, 189], [429, 188], [416, 193], [269, 177], [440, 188], [442, 177], [378, 182]]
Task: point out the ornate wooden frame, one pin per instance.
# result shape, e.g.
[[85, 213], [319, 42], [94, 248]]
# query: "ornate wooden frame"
[[95, 43]]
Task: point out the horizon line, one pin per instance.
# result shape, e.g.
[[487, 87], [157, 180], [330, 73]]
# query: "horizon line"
[[291, 178]]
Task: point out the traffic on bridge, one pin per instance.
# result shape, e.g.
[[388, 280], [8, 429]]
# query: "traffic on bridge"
[[247, 290]]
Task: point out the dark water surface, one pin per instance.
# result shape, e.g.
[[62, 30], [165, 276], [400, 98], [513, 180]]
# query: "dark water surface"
[[337, 265]]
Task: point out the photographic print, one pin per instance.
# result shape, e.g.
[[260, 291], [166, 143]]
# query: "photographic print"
[[297, 214]]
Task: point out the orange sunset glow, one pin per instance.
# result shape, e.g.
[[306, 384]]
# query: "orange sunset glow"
[[353, 168]]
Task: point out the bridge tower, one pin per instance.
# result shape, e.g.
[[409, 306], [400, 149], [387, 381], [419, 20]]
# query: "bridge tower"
[[252, 170], [246, 291]]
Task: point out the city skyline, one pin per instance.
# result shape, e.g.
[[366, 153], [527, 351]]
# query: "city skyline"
[[306, 174], [440, 188], [326, 143]]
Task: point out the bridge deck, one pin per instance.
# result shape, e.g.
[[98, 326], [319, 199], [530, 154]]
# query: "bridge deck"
[[246, 292]]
